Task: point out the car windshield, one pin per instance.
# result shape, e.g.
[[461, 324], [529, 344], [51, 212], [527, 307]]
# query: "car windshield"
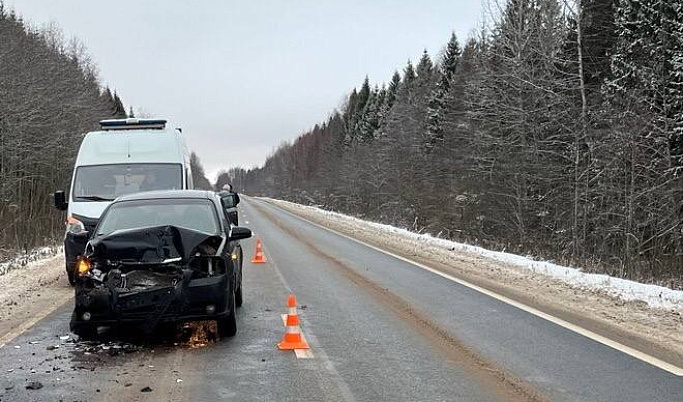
[[195, 214], [106, 182]]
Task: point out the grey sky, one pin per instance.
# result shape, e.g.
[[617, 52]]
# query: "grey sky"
[[242, 76]]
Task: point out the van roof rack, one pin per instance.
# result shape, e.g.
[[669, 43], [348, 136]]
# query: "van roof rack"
[[133, 124]]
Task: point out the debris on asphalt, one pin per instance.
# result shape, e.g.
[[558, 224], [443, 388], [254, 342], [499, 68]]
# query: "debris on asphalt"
[[65, 337], [9, 387], [52, 347], [34, 385], [146, 389], [178, 380]]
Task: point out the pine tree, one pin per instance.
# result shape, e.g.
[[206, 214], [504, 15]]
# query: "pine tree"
[[349, 116], [449, 63], [131, 114], [394, 85], [363, 95], [425, 69], [437, 104], [119, 110], [409, 76]]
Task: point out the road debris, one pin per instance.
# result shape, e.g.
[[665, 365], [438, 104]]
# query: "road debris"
[[146, 389], [34, 385]]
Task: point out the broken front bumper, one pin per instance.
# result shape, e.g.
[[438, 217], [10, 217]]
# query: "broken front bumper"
[[188, 300]]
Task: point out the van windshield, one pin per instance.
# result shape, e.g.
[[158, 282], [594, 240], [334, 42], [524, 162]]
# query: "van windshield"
[[106, 182]]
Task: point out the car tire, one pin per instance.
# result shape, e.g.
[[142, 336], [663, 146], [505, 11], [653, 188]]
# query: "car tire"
[[227, 326], [238, 296], [238, 292]]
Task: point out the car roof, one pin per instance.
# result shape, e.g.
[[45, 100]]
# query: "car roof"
[[165, 194]]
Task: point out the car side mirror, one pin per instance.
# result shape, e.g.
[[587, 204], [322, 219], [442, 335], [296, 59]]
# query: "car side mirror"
[[59, 200], [238, 233]]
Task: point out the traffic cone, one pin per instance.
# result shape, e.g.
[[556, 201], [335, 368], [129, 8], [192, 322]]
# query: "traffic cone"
[[259, 257], [292, 338]]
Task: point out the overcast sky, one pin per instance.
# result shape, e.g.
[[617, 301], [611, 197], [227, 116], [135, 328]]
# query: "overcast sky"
[[240, 77]]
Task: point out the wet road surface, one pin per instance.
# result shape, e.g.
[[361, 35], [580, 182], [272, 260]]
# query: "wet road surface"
[[380, 329]]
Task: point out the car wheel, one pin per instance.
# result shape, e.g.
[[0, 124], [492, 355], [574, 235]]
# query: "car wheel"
[[227, 326]]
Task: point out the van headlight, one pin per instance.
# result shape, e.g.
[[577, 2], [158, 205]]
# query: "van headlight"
[[74, 226]]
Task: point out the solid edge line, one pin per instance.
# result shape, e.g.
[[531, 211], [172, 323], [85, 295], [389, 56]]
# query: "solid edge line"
[[14, 333], [671, 368]]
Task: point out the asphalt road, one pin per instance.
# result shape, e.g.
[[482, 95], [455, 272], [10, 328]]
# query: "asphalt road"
[[381, 329]]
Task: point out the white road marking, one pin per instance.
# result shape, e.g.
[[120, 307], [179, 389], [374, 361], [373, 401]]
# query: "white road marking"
[[671, 368], [26, 325], [299, 353]]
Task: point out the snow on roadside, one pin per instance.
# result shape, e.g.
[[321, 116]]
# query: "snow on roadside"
[[626, 290], [29, 259]]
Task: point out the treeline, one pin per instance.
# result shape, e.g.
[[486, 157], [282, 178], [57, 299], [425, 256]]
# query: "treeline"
[[556, 131], [49, 97]]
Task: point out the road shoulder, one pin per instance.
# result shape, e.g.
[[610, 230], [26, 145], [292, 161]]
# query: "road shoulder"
[[31, 293], [656, 332]]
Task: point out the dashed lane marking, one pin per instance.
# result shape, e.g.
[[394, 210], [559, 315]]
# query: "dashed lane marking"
[[671, 368], [300, 353]]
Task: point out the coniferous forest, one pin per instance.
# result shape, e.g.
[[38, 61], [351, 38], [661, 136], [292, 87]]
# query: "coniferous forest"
[[555, 130]]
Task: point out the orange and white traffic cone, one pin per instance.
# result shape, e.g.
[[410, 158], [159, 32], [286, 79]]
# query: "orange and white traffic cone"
[[292, 338], [259, 257]]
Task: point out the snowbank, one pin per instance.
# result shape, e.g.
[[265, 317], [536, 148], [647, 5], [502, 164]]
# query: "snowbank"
[[655, 296], [33, 257]]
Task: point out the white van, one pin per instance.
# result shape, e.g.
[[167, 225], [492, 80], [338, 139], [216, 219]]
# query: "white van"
[[126, 156]]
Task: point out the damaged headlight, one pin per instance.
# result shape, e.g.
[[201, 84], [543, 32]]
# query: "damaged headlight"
[[84, 266]]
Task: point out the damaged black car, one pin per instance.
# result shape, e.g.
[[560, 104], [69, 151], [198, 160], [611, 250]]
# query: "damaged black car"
[[160, 257]]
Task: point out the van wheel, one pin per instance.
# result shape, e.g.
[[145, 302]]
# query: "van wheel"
[[72, 277], [227, 326]]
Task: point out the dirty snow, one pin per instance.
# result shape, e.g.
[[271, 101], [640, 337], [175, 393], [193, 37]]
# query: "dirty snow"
[[20, 287], [26, 260], [655, 296]]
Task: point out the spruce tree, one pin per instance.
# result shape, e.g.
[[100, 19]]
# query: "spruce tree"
[[449, 63], [425, 69], [409, 75], [119, 110], [394, 85]]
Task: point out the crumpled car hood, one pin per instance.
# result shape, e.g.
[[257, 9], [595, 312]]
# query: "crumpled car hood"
[[151, 244]]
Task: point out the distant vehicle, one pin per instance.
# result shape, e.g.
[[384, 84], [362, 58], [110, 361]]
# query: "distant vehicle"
[[126, 156], [160, 257]]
